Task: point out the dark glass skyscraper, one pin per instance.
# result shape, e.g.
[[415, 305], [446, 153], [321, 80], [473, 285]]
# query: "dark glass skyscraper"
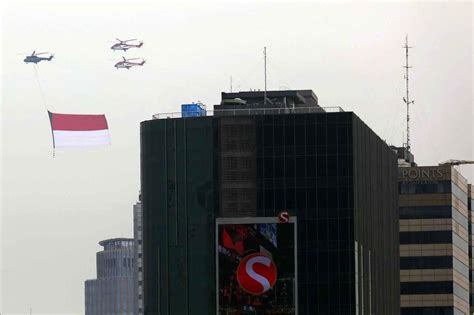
[[254, 159]]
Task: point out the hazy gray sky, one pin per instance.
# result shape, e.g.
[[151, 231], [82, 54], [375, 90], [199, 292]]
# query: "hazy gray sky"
[[54, 211]]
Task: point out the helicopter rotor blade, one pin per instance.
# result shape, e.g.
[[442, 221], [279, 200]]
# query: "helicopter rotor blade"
[[128, 40]]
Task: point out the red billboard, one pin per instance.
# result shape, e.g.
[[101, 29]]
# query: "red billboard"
[[256, 266]]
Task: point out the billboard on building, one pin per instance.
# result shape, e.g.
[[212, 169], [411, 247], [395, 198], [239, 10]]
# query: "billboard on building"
[[256, 266]]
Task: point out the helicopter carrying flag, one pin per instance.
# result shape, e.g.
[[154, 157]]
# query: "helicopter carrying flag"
[[79, 130], [128, 63], [33, 58], [123, 44]]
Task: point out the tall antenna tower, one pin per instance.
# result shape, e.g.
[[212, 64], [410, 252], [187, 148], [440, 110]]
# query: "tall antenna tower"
[[407, 99], [265, 72]]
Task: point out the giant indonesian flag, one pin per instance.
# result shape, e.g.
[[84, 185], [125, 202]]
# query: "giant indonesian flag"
[[78, 131]]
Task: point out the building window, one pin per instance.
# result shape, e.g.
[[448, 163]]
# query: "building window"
[[426, 237], [426, 262], [425, 188]]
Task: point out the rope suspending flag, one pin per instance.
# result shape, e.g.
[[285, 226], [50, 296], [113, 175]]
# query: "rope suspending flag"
[[79, 131]]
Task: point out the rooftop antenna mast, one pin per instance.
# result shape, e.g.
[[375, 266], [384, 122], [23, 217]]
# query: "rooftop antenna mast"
[[265, 71], [407, 99]]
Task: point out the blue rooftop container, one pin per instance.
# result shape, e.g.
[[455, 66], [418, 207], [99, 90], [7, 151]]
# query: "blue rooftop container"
[[193, 110]]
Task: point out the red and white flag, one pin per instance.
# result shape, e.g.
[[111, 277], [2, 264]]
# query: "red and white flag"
[[78, 131]]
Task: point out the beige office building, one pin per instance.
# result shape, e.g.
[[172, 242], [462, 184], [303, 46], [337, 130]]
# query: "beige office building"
[[470, 203], [434, 241]]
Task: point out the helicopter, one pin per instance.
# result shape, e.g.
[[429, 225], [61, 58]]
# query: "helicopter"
[[33, 58], [127, 64], [123, 45]]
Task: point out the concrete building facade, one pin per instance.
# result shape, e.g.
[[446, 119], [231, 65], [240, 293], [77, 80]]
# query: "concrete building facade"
[[470, 204], [434, 241], [138, 255], [113, 290]]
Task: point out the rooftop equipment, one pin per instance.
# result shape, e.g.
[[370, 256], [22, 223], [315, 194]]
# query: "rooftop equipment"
[[193, 110], [456, 162]]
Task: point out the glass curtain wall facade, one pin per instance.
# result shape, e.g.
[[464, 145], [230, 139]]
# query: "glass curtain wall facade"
[[328, 169], [434, 241], [337, 176], [179, 202]]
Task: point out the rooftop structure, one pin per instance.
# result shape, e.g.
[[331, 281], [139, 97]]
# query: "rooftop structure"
[[275, 99], [252, 103], [405, 157]]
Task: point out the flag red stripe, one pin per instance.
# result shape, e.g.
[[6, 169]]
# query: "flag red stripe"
[[75, 122]]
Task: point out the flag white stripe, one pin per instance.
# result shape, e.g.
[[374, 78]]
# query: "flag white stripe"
[[80, 139]]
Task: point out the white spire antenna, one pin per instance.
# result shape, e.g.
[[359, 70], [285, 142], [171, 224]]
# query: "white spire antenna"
[[407, 100]]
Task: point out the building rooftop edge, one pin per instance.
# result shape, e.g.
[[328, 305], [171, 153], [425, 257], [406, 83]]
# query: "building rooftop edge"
[[257, 111], [117, 239]]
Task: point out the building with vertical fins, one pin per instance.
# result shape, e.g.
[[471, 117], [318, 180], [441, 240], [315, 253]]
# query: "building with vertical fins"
[[435, 240], [138, 255], [113, 290], [253, 158]]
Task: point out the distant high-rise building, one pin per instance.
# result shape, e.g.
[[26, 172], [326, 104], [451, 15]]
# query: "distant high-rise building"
[[113, 290], [138, 255], [435, 239]]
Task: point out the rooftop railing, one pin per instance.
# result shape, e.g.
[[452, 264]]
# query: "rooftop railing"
[[253, 111]]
